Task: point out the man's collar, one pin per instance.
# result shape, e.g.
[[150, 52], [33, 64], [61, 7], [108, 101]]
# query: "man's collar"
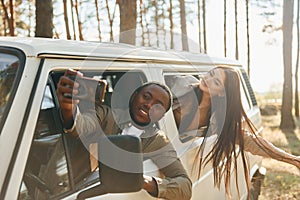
[[123, 119]]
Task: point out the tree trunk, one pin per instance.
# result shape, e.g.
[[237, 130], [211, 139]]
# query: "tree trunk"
[[225, 37], [287, 121], [111, 20], [171, 25], [236, 31], [5, 27], [184, 38], [78, 20], [111, 37], [204, 25], [127, 21], [163, 6], [6, 18], [12, 19], [66, 19], [73, 20], [248, 37], [199, 25], [297, 65], [156, 22], [44, 16], [98, 20], [147, 28], [29, 18], [142, 10]]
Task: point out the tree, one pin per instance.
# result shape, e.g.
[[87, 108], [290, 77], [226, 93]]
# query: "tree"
[[12, 19], [163, 17], [78, 20], [128, 15], [204, 25], [143, 23], [225, 25], [98, 20], [154, 3], [146, 8], [184, 38], [171, 25], [236, 31], [111, 18], [73, 20], [44, 17], [30, 14], [66, 19], [142, 10], [248, 37], [287, 121], [199, 24], [9, 17], [297, 65]]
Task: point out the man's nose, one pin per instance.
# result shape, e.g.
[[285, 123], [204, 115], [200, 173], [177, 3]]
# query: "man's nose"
[[148, 104]]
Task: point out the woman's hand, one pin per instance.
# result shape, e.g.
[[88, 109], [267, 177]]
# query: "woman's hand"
[[297, 162], [150, 185]]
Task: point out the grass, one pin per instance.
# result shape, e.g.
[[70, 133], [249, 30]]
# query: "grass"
[[282, 181]]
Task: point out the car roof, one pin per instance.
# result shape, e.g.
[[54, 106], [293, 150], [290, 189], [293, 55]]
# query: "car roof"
[[58, 48]]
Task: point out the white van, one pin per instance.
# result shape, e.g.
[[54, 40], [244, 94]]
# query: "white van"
[[38, 161]]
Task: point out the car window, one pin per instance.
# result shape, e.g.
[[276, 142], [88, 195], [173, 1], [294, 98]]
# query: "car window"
[[46, 173], [60, 164], [185, 104], [245, 100], [9, 65]]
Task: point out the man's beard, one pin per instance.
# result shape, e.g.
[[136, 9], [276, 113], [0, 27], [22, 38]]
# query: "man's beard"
[[132, 117]]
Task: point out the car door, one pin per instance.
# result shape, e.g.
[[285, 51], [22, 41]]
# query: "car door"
[[60, 165]]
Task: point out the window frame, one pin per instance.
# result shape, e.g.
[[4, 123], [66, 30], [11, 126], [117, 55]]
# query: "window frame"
[[22, 58], [55, 74], [187, 136]]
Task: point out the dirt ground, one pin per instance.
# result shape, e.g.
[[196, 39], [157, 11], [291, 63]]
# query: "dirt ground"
[[282, 181]]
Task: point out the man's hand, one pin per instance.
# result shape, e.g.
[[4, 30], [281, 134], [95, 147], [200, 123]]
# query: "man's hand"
[[66, 88], [150, 185]]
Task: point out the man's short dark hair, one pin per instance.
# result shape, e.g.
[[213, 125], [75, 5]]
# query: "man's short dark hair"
[[164, 87]]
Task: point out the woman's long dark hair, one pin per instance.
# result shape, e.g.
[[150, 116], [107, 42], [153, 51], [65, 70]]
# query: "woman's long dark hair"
[[229, 113]]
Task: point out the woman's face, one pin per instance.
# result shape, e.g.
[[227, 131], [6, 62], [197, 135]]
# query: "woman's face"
[[213, 82], [149, 105]]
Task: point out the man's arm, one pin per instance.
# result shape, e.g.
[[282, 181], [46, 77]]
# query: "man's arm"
[[176, 184], [74, 122]]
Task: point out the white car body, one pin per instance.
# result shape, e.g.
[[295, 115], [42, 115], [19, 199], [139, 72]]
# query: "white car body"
[[40, 57]]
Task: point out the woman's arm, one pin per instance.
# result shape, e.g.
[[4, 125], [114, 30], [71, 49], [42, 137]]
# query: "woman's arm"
[[257, 145]]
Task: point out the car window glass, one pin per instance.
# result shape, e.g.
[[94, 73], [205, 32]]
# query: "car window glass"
[[48, 99], [8, 69], [81, 156], [245, 101], [46, 172], [185, 103]]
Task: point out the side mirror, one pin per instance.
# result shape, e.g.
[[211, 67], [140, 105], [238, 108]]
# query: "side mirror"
[[120, 166]]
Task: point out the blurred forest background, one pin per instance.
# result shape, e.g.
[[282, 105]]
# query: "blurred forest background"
[[255, 32], [262, 34]]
